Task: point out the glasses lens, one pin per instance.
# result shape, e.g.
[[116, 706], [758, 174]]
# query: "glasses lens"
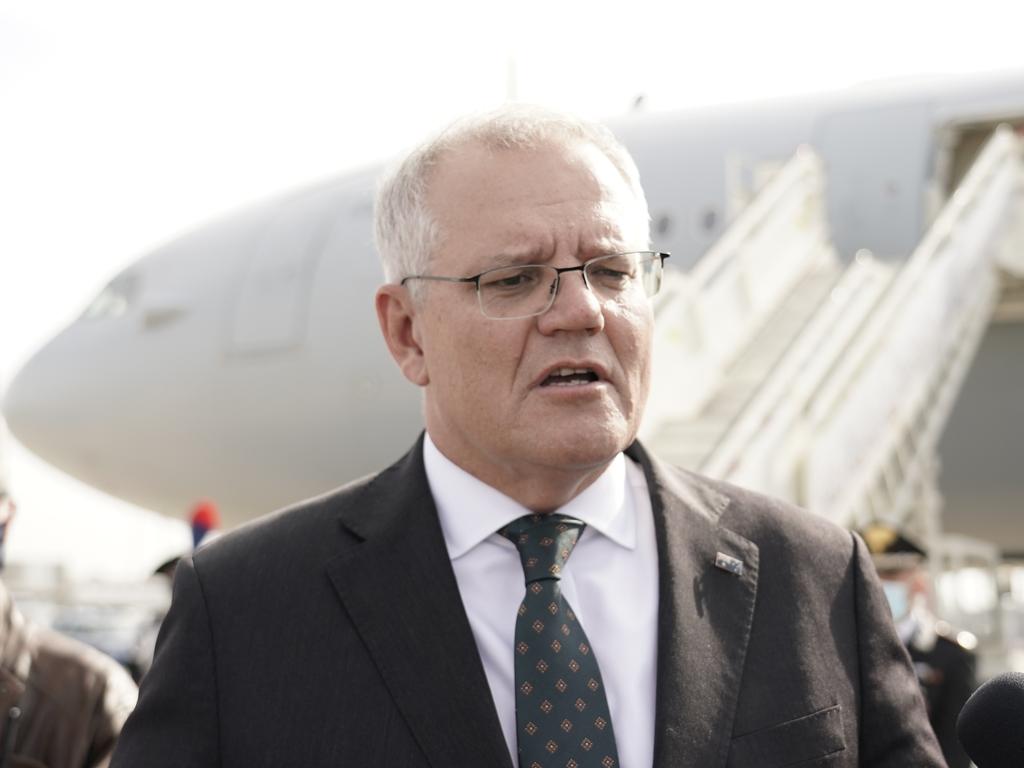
[[652, 267], [516, 291], [623, 274]]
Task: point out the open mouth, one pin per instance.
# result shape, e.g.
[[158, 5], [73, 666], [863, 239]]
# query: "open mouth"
[[570, 377]]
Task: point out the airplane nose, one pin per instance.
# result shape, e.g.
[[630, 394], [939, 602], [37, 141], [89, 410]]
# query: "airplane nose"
[[12, 402], [41, 404], [21, 402]]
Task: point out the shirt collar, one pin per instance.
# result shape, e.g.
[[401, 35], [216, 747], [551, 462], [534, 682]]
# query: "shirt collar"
[[470, 510]]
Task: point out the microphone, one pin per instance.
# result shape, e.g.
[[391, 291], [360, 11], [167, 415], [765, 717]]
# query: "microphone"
[[991, 724]]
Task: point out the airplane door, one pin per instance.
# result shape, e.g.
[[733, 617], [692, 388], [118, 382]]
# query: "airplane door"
[[271, 306], [877, 160]]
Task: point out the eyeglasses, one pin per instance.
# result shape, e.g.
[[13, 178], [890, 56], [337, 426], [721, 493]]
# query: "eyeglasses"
[[508, 293]]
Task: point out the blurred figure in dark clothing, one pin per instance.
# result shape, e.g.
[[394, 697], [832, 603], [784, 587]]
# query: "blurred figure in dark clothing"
[[204, 521], [943, 657]]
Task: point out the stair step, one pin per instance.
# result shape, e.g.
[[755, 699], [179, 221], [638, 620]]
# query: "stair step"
[[690, 442]]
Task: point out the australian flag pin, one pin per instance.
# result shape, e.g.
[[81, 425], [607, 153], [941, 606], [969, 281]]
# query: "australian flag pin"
[[728, 563]]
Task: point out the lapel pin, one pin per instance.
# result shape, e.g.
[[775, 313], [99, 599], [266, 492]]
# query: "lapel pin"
[[729, 564]]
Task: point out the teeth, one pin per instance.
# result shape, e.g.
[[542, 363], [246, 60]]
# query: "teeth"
[[569, 377]]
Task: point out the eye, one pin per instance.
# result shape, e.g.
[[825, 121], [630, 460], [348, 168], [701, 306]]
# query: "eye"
[[510, 279], [613, 272]]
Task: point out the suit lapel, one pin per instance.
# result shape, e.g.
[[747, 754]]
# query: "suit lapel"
[[398, 588], [705, 617]]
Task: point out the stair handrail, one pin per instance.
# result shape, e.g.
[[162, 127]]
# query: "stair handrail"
[[983, 195], [706, 316], [992, 159], [918, 424], [802, 169], [781, 400], [788, 404]]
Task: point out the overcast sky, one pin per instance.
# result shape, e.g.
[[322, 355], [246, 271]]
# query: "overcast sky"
[[126, 122]]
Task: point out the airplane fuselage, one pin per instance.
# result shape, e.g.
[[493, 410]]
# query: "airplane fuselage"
[[243, 363]]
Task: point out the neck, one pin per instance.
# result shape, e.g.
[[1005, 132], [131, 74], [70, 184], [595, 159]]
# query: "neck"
[[544, 495], [539, 488]]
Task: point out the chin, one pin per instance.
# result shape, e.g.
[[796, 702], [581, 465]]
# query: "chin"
[[582, 446]]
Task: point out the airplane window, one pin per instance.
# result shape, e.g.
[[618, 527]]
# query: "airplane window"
[[703, 223], [113, 300], [663, 224]]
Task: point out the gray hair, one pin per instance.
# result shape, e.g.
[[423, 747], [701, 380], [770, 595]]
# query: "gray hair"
[[406, 230]]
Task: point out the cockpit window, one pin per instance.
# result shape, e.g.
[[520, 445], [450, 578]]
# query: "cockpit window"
[[114, 300]]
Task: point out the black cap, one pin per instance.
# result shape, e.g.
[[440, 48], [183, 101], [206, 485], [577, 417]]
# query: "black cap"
[[890, 549]]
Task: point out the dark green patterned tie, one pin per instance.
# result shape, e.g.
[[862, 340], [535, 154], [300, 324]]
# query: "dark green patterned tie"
[[562, 718]]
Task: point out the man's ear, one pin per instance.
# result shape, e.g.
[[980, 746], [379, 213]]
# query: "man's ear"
[[396, 314]]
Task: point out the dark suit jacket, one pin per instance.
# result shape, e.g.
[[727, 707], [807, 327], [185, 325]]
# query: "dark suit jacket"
[[947, 673], [333, 634]]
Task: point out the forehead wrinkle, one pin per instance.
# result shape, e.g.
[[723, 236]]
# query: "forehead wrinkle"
[[521, 249], [585, 215], [609, 232], [599, 234], [597, 223]]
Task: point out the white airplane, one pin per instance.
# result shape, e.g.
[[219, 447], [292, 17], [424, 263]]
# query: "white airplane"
[[243, 363]]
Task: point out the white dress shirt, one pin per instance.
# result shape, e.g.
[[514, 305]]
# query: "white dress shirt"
[[610, 580]]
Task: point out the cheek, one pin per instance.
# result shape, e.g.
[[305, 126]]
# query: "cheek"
[[475, 359], [631, 330]]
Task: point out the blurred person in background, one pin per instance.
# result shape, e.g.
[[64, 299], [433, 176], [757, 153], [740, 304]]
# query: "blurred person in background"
[[943, 657], [62, 703], [205, 523]]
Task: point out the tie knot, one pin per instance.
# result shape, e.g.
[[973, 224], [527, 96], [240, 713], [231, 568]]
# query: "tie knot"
[[544, 543]]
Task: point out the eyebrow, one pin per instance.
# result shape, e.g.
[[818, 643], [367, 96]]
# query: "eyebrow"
[[513, 258], [532, 256]]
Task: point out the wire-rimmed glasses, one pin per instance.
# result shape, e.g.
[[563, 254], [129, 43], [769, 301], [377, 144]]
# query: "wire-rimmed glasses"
[[508, 293]]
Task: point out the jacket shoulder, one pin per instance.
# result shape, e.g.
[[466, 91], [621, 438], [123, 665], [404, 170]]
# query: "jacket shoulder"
[[768, 521], [290, 532]]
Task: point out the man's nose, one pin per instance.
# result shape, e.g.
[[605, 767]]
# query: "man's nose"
[[576, 306]]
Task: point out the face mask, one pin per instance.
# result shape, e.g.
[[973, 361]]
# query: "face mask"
[[898, 595]]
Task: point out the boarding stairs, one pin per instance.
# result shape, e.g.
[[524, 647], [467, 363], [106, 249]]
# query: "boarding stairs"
[[722, 326], [834, 391], [692, 442]]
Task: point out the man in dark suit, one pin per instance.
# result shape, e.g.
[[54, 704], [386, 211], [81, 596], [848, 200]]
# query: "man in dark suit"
[[527, 585], [943, 657]]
